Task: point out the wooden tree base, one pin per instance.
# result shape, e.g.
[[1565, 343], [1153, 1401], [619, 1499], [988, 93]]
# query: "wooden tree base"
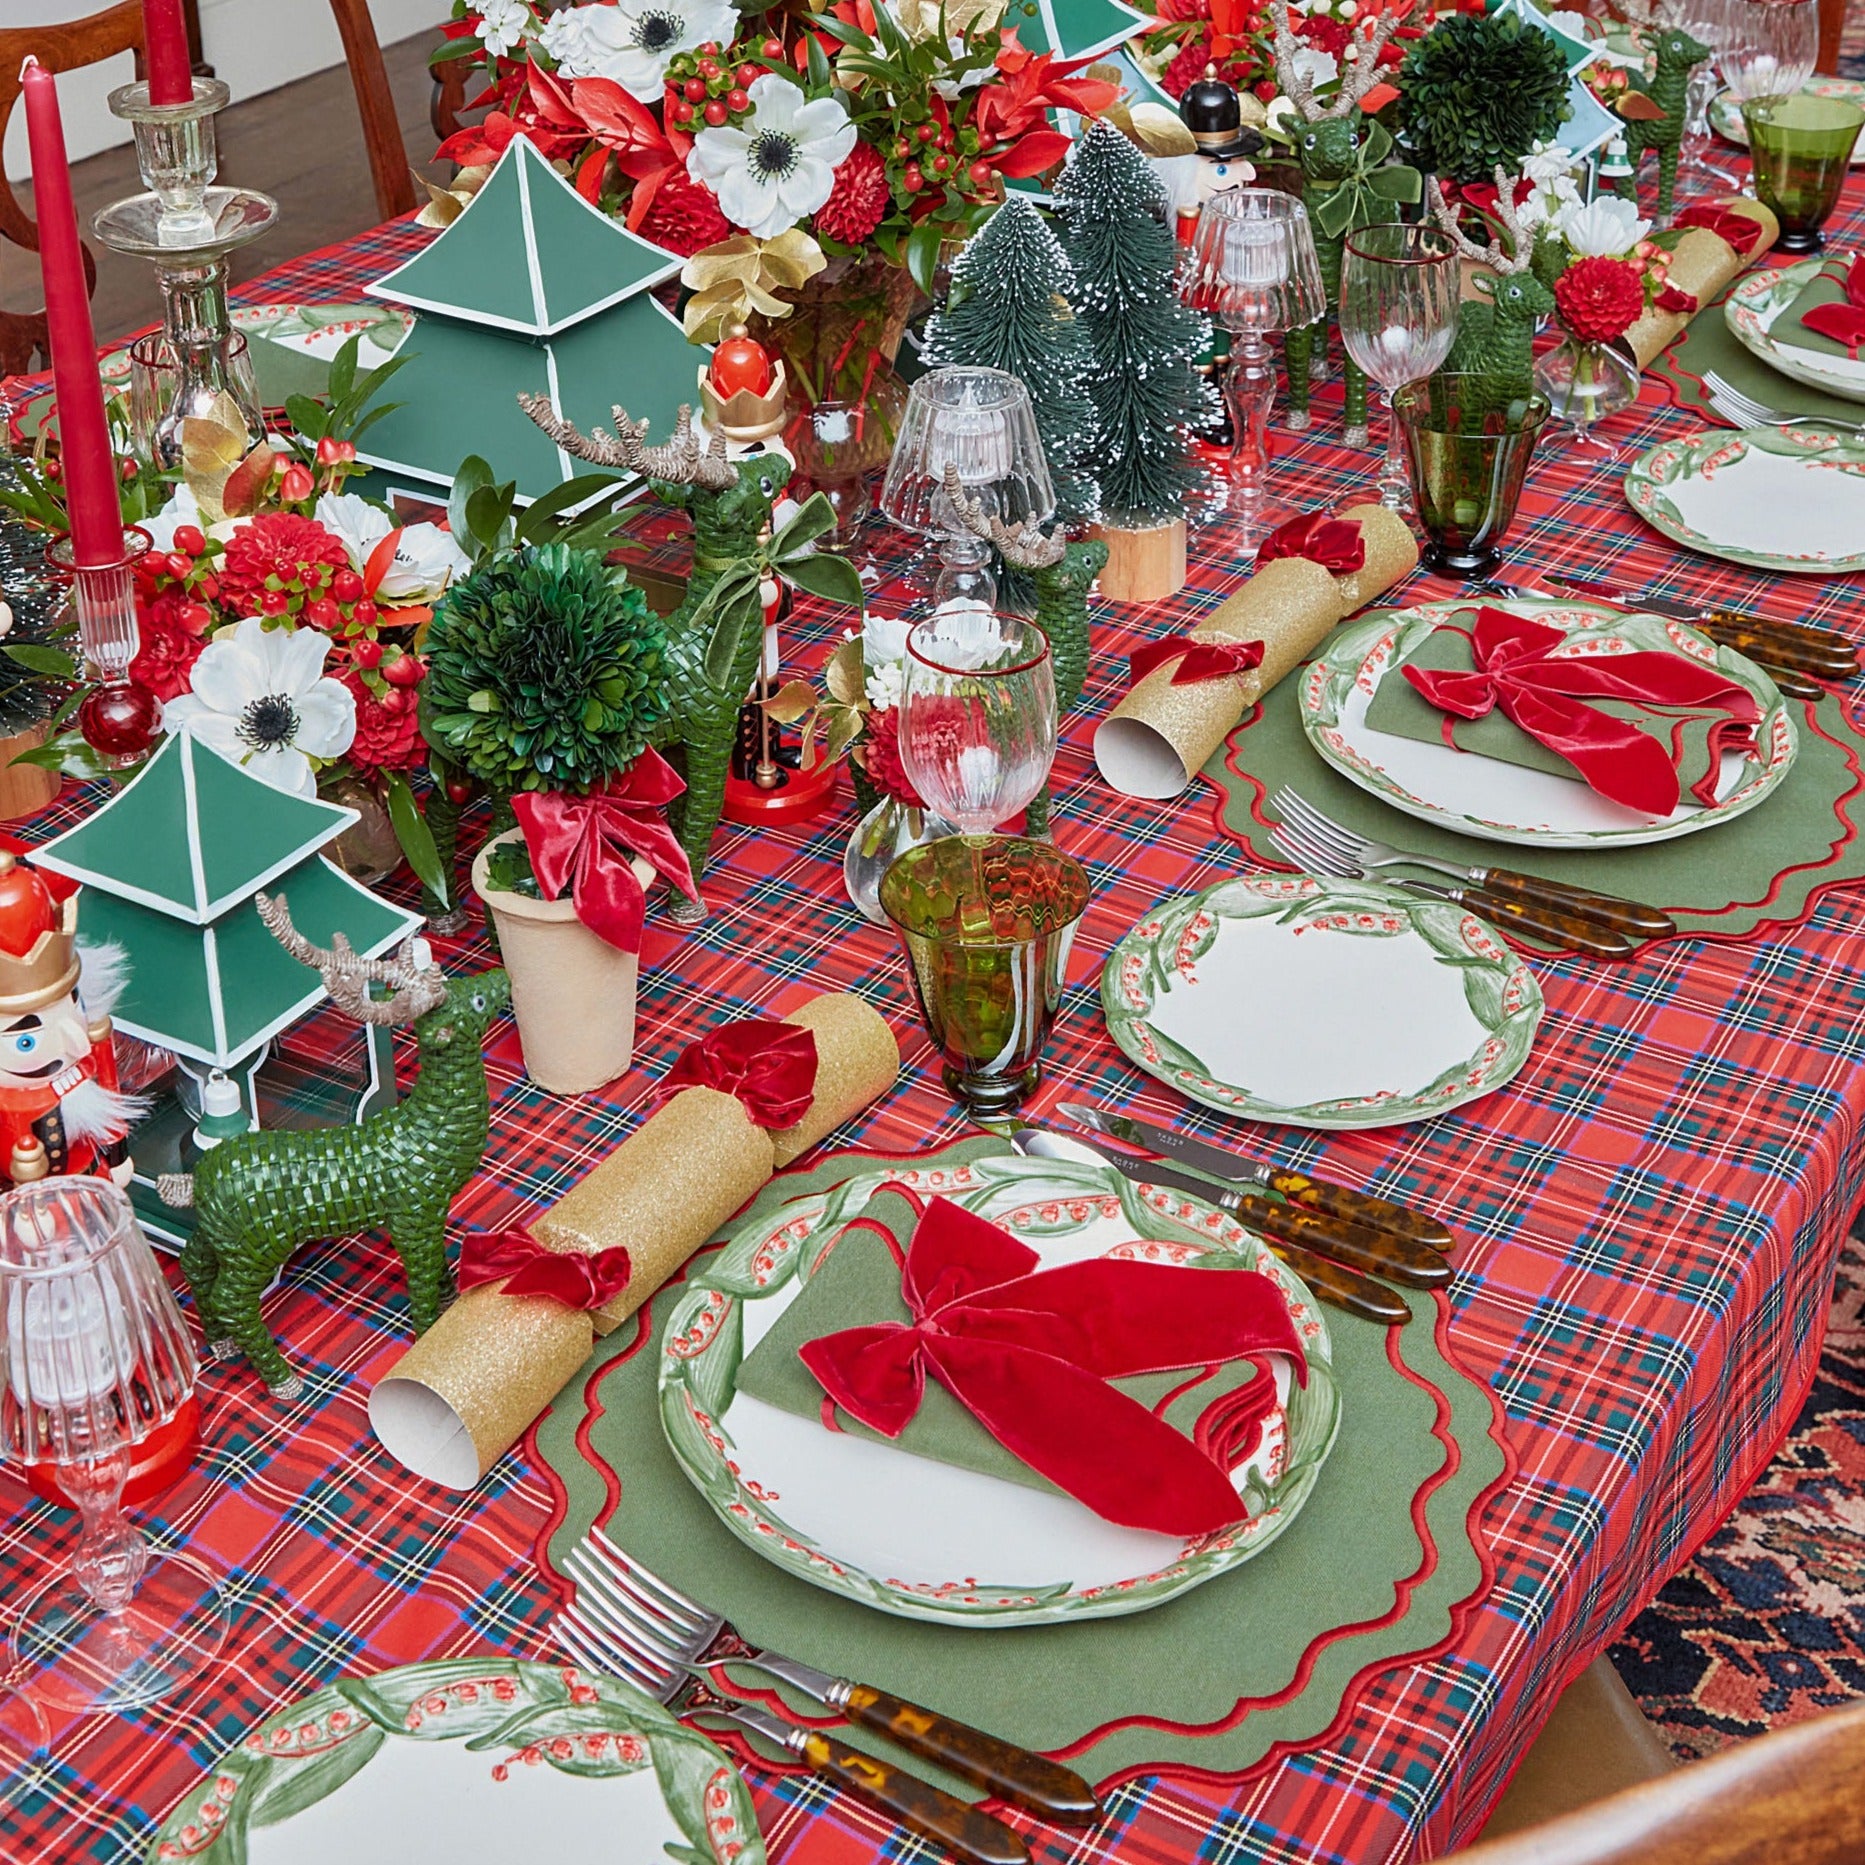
[[1143, 566], [25, 789]]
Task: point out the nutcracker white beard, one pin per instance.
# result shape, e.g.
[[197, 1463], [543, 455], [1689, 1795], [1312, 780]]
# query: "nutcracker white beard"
[[98, 1115]]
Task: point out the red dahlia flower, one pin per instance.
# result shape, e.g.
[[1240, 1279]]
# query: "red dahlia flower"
[[388, 731], [166, 648], [1599, 298], [299, 552], [880, 755], [684, 216], [859, 199]]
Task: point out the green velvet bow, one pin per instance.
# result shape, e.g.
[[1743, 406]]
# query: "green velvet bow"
[[1374, 188]]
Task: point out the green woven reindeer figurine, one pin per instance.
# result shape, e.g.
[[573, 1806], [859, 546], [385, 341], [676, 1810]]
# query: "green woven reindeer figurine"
[[258, 1196], [1495, 339], [1677, 56]]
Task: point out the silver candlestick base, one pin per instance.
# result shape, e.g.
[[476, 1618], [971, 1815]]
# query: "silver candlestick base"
[[175, 149]]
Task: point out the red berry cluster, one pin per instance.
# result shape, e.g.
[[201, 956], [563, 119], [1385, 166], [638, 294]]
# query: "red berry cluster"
[[930, 154], [709, 87]]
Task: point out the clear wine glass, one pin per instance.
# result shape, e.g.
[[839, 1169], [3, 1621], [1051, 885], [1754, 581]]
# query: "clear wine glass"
[[1399, 287], [1770, 47], [977, 716], [95, 1358]]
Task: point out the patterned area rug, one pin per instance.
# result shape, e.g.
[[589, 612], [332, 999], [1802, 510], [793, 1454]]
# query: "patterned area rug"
[[1766, 1626]]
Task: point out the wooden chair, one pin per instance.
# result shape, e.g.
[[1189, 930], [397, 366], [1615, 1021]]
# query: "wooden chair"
[[1796, 1797], [1832, 31], [388, 156], [64, 47]]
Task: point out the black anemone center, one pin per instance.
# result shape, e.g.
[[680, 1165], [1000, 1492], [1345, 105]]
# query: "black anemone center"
[[655, 32], [268, 723], [772, 155]]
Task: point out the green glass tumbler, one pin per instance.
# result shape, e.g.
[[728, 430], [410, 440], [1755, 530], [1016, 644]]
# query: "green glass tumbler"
[[1801, 147], [988, 923], [1467, 450]]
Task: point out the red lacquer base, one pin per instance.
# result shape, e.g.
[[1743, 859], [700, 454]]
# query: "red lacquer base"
[[805, 794]]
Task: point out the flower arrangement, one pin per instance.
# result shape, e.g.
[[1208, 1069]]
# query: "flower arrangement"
[[1605, 270]]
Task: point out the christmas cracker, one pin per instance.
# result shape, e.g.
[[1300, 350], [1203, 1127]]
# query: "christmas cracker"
[[1160, 735], [471, 1387], [1702, 264]]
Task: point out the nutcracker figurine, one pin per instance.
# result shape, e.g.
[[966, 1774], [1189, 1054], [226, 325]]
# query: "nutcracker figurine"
[[60, 1106]]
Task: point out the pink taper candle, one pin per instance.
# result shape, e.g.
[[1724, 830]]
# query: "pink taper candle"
[[86, 458], [165, 52]]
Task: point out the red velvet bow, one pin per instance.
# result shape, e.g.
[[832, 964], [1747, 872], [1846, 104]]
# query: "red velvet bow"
[[1198, 661], [1334, 543], [769, 1066], [1844, 323], [577, 1279], [1029, 1352], [1515, 670], [1739, 231], [584, 844], [1673, 299]]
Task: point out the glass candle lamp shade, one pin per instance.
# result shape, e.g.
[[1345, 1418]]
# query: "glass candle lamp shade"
[[1252, 268], [1769, 47], [94, 1358], [1802, 147], [981, 422]]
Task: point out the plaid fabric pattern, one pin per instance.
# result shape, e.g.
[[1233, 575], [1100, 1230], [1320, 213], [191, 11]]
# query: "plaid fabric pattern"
[[1648, 1220]]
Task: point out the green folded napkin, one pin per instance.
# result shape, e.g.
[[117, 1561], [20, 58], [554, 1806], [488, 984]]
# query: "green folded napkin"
[[1828, 286], [858, 1285], [1399, 708]]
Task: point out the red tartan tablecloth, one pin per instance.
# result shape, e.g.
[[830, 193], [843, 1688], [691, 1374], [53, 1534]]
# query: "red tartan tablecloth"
[[1649, 1214]]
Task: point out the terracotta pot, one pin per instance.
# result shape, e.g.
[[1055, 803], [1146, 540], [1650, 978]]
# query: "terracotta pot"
[[573, 994]]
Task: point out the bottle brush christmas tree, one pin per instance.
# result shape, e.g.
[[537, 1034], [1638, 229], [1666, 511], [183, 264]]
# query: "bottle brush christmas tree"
[[1142, 342], [1008, 309]]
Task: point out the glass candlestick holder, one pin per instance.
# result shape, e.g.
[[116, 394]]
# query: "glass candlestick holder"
[[177, 154], [120, 720]]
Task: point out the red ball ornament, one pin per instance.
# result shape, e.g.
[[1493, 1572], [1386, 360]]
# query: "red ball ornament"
[[740, 362], [27, 909], [120, 721]]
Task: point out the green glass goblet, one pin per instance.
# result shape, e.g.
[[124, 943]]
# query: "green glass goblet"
[[987, 924], [1801, 146], [1467, 450]]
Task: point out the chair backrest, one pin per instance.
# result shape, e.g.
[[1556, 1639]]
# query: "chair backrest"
[[375, 104], [66, 46], [1796, 1797]]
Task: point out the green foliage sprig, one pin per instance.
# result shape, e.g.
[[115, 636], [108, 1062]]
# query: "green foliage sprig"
[[546, 671], [1478, 91]]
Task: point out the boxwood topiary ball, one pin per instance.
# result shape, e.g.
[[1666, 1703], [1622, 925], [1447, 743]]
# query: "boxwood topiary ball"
[[1478, 91]]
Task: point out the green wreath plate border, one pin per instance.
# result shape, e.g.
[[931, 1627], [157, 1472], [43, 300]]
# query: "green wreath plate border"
[[703, 1345], [1649, 477], [1498, 986], [1360, 655], [1749, 312], [546, 1715]]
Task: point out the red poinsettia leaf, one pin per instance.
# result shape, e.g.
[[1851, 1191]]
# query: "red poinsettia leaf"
[[645, 189], [380, 561], [1379, 97], [612, 116], [1032, 154], [1088, 97], [589, 175]]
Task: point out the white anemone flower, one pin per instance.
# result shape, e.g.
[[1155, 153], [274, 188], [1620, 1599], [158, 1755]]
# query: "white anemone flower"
[[426, 557], [780, 166], [634, 41], [1547, 161], [1317, 66], [1605, 228], [502, 25], [261, 698]]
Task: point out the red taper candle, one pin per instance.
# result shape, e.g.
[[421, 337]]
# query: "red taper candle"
[[165, 52], [87, 460]]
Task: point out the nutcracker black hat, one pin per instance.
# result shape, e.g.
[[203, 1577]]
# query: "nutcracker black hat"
[[1213, 113]]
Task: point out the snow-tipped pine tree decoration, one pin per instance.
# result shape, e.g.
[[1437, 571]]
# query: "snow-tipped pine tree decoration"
[[1009, 309], [1148, 398]]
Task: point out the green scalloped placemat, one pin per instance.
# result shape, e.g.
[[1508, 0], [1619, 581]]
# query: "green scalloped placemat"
[[1764, 867], [1707, 343], [1250, 1664]]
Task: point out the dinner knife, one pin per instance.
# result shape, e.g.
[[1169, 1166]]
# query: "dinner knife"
[[1233, 1169], [1799, 645], [1327, 1275]]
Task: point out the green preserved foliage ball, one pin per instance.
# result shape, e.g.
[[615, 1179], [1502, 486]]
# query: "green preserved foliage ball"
[[1478, 91], [546, 671]]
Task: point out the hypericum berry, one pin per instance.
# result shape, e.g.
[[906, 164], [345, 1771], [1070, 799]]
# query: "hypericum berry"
[[694, 90], [946, 138], [710, 49], [190, 538], [194, 617], [207, 588], [771, 48], [982, 174], [322, 613], [346, 585], [716, 112], [941, 163], [902, 148], [404, 670], [364, 614], [129, 470], [273, 602], [926, 132], [737, 99], [746, 75], [179, 566], [297, 485], [710, 68], [53, 471], [458, 790], [911, 179], [682, 111], [366, 652]]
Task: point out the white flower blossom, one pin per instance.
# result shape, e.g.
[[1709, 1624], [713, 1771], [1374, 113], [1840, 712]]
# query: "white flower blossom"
[[261, 697], [634, 41], [502, 25], [426, 557], [885, 684], [780, 166], [1604, 228], [1317, 66]]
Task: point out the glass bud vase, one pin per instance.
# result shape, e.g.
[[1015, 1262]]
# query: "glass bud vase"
[[881, 837], [1585, 383]]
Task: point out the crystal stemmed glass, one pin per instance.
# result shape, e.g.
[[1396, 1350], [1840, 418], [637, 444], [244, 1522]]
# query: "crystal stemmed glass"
[[1399, 287], [94, 1358], [977, 728], [981, 422], [1770, 47], [1252, 268]]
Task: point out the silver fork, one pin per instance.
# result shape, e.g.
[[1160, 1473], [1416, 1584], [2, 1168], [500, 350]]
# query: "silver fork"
[[1745, 411], [1305, 834]]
